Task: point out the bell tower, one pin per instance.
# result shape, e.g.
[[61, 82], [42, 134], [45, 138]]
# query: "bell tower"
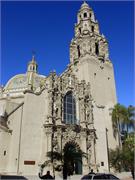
[[32, 65], [31, 71], [89, 61], [85, 20], [89, 56], [88, 39]]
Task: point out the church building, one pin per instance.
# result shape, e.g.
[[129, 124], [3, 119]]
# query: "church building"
[[61, 114]]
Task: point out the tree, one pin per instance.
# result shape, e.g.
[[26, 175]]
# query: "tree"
[[115, 157], [124, 158], [122, 120], [130, 118], [119, 116], [123, 123]]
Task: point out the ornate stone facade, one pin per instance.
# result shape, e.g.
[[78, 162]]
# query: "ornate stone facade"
[[36, 121]]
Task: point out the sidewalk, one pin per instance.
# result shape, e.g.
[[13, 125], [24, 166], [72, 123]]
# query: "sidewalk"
[[124, 176]]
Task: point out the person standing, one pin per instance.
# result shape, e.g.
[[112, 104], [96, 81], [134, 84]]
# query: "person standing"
[[46, 176]]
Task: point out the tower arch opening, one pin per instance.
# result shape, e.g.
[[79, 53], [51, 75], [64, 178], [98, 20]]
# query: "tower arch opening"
[[85, 15]]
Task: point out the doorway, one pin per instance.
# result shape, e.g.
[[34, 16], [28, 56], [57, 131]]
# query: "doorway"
[[72, 160]]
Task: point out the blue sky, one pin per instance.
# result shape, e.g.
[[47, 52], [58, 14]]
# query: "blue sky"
[[47, 28]]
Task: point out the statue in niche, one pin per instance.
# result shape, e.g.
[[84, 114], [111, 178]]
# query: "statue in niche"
[[55, 143], [55, 109], [70, 80]]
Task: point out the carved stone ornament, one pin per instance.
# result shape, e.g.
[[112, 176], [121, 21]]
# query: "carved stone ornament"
[[48, 130]]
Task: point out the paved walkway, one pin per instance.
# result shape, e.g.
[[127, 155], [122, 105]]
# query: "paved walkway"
[[124, 176]]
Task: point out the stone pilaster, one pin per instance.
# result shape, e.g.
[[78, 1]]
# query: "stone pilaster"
[[84, 149]]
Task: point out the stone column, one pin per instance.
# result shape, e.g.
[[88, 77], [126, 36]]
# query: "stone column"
[[59, 174], [58, 109], [85, 167], [82, 113], [77, 111], [93, 153], [50, 106], [48, 131], [59, 138]]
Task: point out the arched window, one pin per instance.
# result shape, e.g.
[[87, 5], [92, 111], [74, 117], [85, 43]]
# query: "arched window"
[[85, 15], [69, 109], [92, 28], [30, 67]]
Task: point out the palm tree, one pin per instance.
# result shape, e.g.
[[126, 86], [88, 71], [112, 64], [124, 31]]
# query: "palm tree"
[[119, 117], [123, 158], [127, 124], [130, 118]]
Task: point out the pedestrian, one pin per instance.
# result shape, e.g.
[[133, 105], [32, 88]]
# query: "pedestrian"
[[46, 176], [133, 172], [91, 172]]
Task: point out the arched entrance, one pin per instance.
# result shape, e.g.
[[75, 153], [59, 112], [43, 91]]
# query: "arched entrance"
[[72, 160]]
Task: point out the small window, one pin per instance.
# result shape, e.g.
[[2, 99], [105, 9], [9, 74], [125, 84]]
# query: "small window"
[[85, 15], [102, 163], [92, 28], [78, 48], [96, 49], [4, 153], [90, 14]]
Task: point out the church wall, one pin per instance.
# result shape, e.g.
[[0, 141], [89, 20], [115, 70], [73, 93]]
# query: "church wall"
[[112, 141], [31, 138], [4, 149], [101, 142], [14, 125], [10, 136], [101, 78], [43, 134]]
